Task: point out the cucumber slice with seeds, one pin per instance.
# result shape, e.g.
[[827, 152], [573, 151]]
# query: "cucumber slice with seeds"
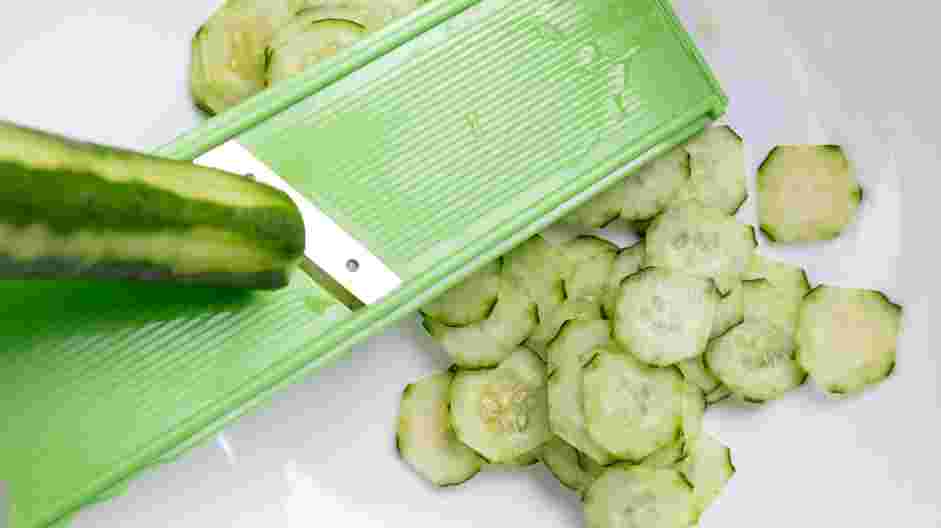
[[730, 310], [648, 191], [717, 170], [502, 413], [806, 193], [424, 437], [663, 317], [487, 343], [574, 347], [708, 467], [846, 337], [470, 301], [631, 409], [755, 360], [637, 496], [628, 262], [562, 461], [701, 241]]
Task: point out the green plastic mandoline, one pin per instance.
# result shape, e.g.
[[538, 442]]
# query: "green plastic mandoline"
[[439, 143]]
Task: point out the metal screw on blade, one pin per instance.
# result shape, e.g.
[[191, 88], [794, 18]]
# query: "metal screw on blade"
[[352, 265]]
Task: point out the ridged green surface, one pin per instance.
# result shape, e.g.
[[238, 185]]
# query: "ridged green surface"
[[441, 155]]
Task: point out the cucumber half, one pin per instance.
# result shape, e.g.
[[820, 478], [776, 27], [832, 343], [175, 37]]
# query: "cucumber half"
[[424, 436], [637, 496], [71, 209], [806, 193], [846, 337], [631, 410], [664, 317], [502, 413]]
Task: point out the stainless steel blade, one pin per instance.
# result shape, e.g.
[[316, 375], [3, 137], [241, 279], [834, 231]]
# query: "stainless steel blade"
[[334, 253]]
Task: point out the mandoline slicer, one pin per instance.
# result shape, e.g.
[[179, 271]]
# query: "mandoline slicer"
[[419, 155]]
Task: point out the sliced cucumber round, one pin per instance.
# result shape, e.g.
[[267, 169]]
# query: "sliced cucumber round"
[[756, 361], [540, 269], [631, 410], [424, 437], [571, 350], [628, 262], [708, 466], [637, 496], [784, 276], [648, 191], [667, 456], [470, 301], [488, 342], [562, 461], [717, 170], [806, 193], [228, 52], [695, 372], [371, 14], [599, 211], [693, 409], [591, 260], [592, 468], [766, 302], [502, 413], [320, 39], [548, 329], [664, 317], [701, 241], [730, 311], [846, 337]]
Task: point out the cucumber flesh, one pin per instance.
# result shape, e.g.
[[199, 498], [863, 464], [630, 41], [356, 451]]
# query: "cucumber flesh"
[[591, 260], [489, 342], [700, 241], [470, 301], [502, 413], [755, 360], [628, 262], [78, 210], [592, 468], [708, 466], [806, 193], [717, 170], [637, 496], [574, 347], [766, 302], [664, 317], [540, 269], [695, 372], [730, 310], [320, 40], [847, 337], [228, 52], [667, 456], [599, 211], [631, 410], [720, 394], [424, 437], [562, 461], [651, 189], [784, 276], [548, 329]]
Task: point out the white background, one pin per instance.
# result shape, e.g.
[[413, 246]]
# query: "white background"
[[862, 74]]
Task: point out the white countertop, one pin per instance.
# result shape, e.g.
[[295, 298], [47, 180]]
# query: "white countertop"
[[862, 74]]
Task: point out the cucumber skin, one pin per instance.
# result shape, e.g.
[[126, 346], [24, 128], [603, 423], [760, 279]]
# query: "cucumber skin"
[[90, 190]]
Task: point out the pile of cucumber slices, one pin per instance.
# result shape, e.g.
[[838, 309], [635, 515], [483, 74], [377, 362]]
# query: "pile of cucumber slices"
[[600, 361]]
